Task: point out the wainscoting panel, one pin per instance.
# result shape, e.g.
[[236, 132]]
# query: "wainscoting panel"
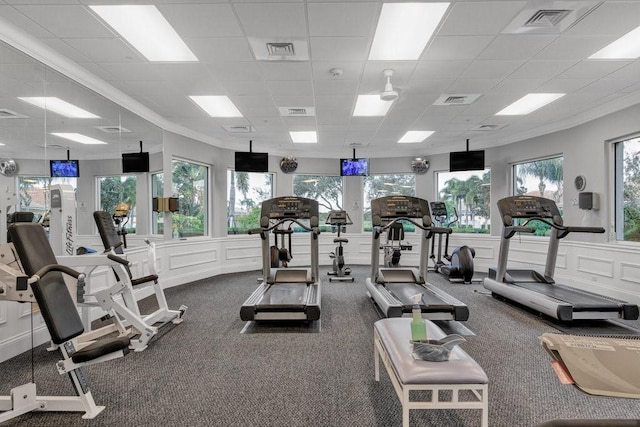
[[598, 266], [630, 272]]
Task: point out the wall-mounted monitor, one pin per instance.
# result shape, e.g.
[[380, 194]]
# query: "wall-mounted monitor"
[[64, 168], [135, 162], [466, 161], [251, 162], [354, 167]]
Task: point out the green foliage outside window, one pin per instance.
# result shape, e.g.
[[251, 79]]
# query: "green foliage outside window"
[[631, 190], [245, 193], [540, 178], [466, 195], [376, 186], [119, 189], [190, 186], [326, 189]]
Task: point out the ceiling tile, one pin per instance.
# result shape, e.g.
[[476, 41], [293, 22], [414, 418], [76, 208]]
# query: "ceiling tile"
[[339, 48], [456, 47], [342, 19], [479, 17], [272, 19], [516, 46], [202, 20]]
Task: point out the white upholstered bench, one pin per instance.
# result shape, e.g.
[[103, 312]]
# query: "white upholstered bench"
[[444, 380]]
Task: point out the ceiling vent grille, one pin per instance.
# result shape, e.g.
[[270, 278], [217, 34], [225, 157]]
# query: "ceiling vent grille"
[[486, 128], [280, 49], [547, 18], [456, 99], [239, 129], [8, 114], [113, 129], [297, 111]]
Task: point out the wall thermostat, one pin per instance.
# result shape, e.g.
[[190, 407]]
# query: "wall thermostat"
[[588, 200]]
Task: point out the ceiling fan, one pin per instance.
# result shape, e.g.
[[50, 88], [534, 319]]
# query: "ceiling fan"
[[388, 94]]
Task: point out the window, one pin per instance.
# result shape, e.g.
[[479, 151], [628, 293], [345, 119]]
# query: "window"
[[627, 190], [113, 190], [540, 178], [466, 195], [157, 190], [376, 186], [326, 189], [245, 193], [34, 195], [190, 186]]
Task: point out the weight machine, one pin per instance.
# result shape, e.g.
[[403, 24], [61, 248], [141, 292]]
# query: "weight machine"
[[43, 283]]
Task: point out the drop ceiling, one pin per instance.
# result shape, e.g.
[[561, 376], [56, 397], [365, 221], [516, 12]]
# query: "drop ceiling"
[[482, 51]]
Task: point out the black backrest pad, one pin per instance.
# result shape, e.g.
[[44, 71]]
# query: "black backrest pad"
[[58, 309], [107, 230]]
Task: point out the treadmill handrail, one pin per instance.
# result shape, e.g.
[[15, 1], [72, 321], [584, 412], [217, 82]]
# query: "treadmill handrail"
[[403, 218], [563, 230], [511, 230]]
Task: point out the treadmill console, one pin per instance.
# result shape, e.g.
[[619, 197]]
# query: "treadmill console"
[[290, 207], [438, 209], [391, 207], [527, 207], [338, 218]]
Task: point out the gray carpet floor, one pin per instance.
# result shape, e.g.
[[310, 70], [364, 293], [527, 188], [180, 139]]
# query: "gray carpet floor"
[[215, 370]]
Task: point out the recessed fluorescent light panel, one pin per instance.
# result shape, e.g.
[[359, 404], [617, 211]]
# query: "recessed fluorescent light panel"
[[78, 137], [306, 137], [414, 136], [217, 106], [370, 106], [404, 29], [529, 103], [146, 30], [626, 47], [57, 105]]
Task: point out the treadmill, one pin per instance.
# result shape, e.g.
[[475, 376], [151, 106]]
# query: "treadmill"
[[538, 290], [392, 288], [286, 293]]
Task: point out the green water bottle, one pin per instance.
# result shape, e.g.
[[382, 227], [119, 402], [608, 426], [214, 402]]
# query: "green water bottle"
[[418, 325]]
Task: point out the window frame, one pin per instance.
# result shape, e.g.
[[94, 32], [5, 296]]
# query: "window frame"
[[456, 227], [616, 175], [206, 193], [259, 205]]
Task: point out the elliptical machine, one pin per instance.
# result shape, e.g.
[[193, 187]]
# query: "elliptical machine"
[[393, 247], [460, 263], [280, 256], [339, 219]]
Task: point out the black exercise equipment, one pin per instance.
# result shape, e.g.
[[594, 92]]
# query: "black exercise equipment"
[[45, 277], [393, 288], [393, 246], [286, 293], [282, 254], [537, 290], [339, 219], [459, 265]]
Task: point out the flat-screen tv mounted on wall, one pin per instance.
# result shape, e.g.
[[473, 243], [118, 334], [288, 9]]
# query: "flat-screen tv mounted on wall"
[[135, 162], [64, 168], [251, 162], [466, 160], [354, 167]]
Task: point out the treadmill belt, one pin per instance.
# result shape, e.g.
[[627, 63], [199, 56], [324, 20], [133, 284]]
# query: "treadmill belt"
[[404, 292], [579, 299], [283, 296]]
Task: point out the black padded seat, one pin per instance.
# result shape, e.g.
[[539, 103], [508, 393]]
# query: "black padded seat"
[[100, 348], [340, 240]]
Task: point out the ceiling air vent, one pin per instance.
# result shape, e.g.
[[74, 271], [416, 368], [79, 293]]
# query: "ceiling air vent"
[[547, 18], [8, 114], [486, 128], [280, 49], [456, 99], [297, 111], [239, 129], [113, 129]]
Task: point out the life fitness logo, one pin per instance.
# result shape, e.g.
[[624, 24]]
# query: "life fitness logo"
[[69, 235]]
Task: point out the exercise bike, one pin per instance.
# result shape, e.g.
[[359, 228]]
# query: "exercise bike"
[[339, 219], [393, 246], [459, 265]]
